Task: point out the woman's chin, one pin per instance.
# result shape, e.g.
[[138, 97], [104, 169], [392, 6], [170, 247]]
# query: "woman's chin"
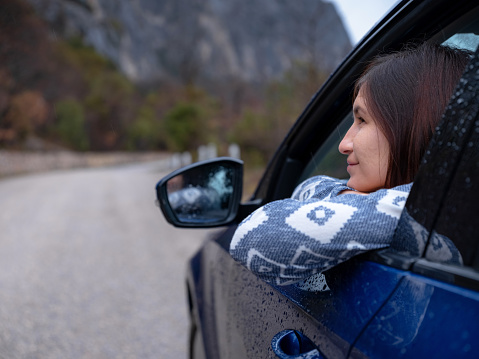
[[351, 183], [360, 187]]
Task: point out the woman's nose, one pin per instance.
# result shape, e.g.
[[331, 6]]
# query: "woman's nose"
[[346, 144]]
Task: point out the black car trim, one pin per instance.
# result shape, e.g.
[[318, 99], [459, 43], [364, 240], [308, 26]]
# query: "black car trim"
[[265, 189], [462, 276], [392, 259], [289, 173]]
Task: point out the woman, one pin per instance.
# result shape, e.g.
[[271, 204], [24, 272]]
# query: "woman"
[[398, 102]]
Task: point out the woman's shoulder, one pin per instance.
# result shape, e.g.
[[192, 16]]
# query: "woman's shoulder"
[[326, 188], [401, 190], [319, 187], [389, 201]]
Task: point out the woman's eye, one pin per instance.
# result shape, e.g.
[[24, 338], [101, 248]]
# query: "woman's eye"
[[360, 120]]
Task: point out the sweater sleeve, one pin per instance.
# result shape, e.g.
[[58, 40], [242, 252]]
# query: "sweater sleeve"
[[289, 240]]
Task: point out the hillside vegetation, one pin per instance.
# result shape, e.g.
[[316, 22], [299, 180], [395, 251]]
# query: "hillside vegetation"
[[63, 92]]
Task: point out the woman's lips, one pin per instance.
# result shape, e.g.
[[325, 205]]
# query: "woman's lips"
[[351, 165]]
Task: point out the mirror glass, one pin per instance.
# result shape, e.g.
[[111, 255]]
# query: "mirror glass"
[[202, 194]]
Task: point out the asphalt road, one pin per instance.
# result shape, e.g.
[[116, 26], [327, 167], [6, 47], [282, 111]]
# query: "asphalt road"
[[89, 268]]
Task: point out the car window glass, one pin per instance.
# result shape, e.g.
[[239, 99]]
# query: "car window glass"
[[456, 221], [467, 41]]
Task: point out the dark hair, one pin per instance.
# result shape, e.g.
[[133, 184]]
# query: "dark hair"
[[407, 92]]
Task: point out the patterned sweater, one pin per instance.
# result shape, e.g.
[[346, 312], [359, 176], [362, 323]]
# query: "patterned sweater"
[[289, 240]]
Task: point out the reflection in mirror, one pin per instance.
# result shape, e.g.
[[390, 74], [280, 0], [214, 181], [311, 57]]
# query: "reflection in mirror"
[[201, 195]]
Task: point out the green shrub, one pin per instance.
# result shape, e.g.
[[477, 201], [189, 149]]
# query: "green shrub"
[[144, 132], [70, 124], [184, 127]]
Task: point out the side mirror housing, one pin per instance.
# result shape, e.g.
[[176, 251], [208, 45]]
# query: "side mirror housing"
[[202, 195]]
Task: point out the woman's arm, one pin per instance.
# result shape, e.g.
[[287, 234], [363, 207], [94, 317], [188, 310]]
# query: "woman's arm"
[[289, 240]]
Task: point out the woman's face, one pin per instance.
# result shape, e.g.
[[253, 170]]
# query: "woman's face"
[[367, 150]]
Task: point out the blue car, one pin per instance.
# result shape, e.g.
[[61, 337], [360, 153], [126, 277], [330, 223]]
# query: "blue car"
[[399, 302]]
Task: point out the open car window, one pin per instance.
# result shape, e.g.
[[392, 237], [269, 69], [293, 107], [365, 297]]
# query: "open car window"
[[463, 34]]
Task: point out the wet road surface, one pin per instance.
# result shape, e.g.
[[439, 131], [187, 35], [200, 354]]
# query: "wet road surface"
[[89, 268]]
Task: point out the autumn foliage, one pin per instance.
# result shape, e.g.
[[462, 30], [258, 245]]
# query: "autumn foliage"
[[64, 93]]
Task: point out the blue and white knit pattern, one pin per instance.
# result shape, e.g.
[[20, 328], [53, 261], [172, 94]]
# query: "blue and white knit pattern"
[[289, 240]]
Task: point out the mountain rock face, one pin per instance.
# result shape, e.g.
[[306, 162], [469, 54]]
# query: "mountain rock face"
[[203, 41]]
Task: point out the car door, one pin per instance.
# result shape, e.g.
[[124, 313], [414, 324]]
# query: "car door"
[[434, 309], [244, 317]]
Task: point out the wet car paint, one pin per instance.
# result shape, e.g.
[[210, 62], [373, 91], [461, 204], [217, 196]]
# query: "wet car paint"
[[423, 318]]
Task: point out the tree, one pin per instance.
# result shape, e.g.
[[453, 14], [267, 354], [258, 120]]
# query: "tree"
[[184, 127], [70, 124]]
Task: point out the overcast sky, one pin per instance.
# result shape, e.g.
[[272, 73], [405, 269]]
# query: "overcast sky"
[[360, 15]]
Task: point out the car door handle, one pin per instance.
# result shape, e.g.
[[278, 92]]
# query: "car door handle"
[[289, 344]]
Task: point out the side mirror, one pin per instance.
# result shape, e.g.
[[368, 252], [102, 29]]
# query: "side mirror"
[[201, 195]]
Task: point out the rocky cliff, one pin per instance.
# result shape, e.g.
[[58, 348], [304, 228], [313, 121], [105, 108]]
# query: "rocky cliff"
[[203, 40]]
